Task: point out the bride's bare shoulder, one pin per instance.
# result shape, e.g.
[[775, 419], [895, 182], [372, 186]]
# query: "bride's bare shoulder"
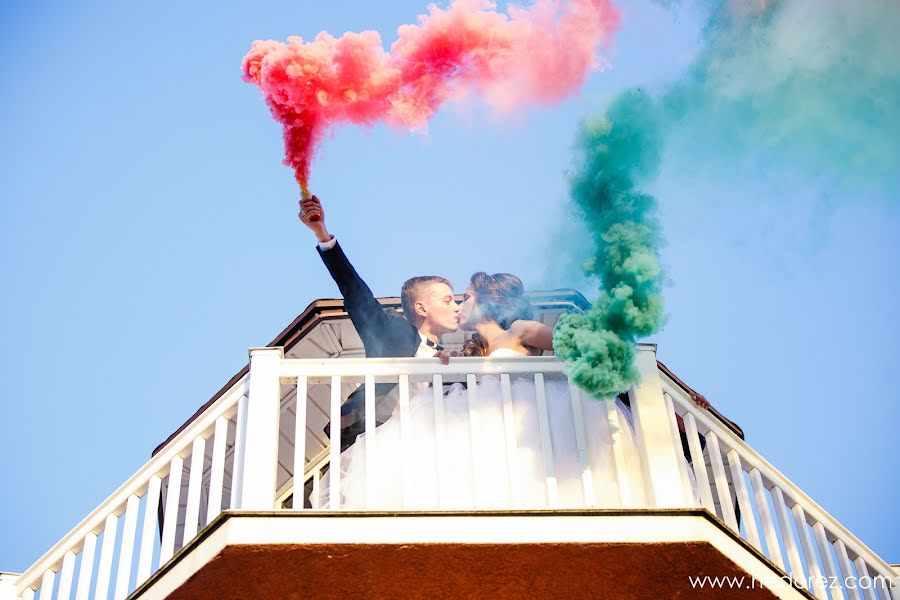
[[524, 325], [532, 333]]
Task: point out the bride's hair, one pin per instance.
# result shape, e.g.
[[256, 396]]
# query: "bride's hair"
[[500, 298]]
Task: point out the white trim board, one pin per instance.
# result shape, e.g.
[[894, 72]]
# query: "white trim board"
[[526, 527]]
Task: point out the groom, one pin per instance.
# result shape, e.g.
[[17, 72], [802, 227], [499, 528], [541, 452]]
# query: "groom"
[[429, 310]]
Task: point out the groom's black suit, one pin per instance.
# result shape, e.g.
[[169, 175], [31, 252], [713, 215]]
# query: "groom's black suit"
[[382, 335]]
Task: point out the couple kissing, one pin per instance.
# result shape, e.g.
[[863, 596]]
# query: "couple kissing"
[[493, 306]]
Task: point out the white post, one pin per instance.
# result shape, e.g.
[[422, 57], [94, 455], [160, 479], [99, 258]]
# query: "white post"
[[659, 446], [8, 586], [260, 456]]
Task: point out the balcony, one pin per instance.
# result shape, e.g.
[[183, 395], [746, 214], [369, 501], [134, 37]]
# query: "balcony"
[[242, 500]]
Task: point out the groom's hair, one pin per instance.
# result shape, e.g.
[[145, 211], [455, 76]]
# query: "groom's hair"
[[410, 292]]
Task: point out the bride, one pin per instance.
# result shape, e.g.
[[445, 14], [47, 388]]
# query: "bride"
[[460, 459]]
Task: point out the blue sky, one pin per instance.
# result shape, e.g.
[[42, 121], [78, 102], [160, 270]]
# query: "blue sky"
[[149, 237]]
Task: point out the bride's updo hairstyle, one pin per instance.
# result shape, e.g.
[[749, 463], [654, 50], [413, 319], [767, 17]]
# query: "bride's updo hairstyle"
[[499, 298]]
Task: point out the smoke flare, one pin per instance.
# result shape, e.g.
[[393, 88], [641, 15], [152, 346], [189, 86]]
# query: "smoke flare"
[[613, 156], [542, 54]]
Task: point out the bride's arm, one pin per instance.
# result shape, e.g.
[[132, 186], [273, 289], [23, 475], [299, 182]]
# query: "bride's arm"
[[533, 333]]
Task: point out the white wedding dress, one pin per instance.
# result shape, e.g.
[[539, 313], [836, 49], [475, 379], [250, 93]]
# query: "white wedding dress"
[[460, 461]]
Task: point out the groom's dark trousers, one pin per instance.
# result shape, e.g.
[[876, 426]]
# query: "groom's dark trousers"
[[383, 335]]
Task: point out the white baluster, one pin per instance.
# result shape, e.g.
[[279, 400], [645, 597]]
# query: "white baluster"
[[371, 494], [217, 470], [87, 567], [615, 426], [867, 585], [405, 440], [828, 562], [809, 553], [509, 430], [334, 479], [28, 594], [126, 552], [847, 571], [474, 433], [195, 482], [440, 458], [239, 455], [170, 515], [765, 517], [698, 463], [885, 584], [66, 575], [787, 534], [673, 426], [587, 479], [316, 488], [148, 533], [47, 584], [894, 592], [722, 491], [259, 472], [300, 441], [546, 441], [740, 487], [107, 549]]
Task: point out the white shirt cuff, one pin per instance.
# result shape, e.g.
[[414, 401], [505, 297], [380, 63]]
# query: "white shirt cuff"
[[328, 245]]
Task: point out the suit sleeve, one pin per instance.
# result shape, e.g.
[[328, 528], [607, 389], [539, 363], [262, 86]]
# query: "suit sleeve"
[[381, 335]]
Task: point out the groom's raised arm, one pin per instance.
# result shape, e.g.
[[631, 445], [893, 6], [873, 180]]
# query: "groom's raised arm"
[[375, 328], [364, 310]]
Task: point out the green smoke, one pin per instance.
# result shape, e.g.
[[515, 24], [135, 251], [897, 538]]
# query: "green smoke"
[[614, 154], [807, 86]]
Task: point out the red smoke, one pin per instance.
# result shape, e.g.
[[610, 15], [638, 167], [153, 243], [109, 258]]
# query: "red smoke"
[[541, 54]]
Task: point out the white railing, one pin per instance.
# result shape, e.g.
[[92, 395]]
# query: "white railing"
[[745, 491], [153, 514], [650, 477], [260, 443]]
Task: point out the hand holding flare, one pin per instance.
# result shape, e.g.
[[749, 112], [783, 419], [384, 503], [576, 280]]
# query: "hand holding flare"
[[313, 216]]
